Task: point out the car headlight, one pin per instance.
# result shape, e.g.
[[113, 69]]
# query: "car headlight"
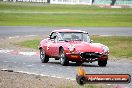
[[71, 48], [105, 49]]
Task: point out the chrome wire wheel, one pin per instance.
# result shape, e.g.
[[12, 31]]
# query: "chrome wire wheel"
[[42, 54], [63, 60], [62, 57], [44, 58]]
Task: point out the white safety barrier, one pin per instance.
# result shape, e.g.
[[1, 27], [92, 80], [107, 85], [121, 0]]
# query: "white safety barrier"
[[87, 2]]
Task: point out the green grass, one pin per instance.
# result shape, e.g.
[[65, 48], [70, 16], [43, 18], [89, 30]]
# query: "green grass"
[[120, 46], [30, 44], [30, 14]]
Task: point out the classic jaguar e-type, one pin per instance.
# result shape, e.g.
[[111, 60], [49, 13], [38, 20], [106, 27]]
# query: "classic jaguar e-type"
[[72, 45]]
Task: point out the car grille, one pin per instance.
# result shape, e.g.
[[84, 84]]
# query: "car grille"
[[90, 55]]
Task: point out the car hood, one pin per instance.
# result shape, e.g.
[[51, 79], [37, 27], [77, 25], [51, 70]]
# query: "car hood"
[[87, 47]]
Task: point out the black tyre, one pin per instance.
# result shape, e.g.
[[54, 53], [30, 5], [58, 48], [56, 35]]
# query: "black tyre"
[[102, 63], [44, 58], [63, 60]]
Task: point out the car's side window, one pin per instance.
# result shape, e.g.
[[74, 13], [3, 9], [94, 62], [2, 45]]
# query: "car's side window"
[[53, 34], [57, 39]]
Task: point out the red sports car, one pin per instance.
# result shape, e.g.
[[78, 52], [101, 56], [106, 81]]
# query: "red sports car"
[[72, 45]]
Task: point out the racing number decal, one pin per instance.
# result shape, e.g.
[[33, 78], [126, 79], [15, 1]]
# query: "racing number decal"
[[48, 45]]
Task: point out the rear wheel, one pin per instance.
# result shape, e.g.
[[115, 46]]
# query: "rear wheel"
[[63, 60], [102, 63], [44, 58]]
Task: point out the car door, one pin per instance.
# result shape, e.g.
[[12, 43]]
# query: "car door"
[[53, 45]]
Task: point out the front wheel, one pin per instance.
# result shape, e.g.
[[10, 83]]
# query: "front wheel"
[[63, 60], [44, 58], [102, 63]]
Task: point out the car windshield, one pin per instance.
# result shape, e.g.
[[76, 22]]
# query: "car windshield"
[[74, 36]]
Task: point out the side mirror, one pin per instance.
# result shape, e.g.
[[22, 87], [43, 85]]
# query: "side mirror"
[[91, 41]]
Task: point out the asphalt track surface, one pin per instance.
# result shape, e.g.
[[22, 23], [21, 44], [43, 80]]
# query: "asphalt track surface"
[[27, 30], [32, 64]]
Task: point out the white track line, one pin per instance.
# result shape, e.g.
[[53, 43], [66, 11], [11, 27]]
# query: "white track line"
[[14, 37], [28, 53], [30, 65], [5, 51], [30, 73], [6, 61], [18, 52], [42, 65]]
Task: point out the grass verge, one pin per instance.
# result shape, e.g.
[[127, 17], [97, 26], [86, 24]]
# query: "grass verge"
[[30, 14], [120, 46]]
